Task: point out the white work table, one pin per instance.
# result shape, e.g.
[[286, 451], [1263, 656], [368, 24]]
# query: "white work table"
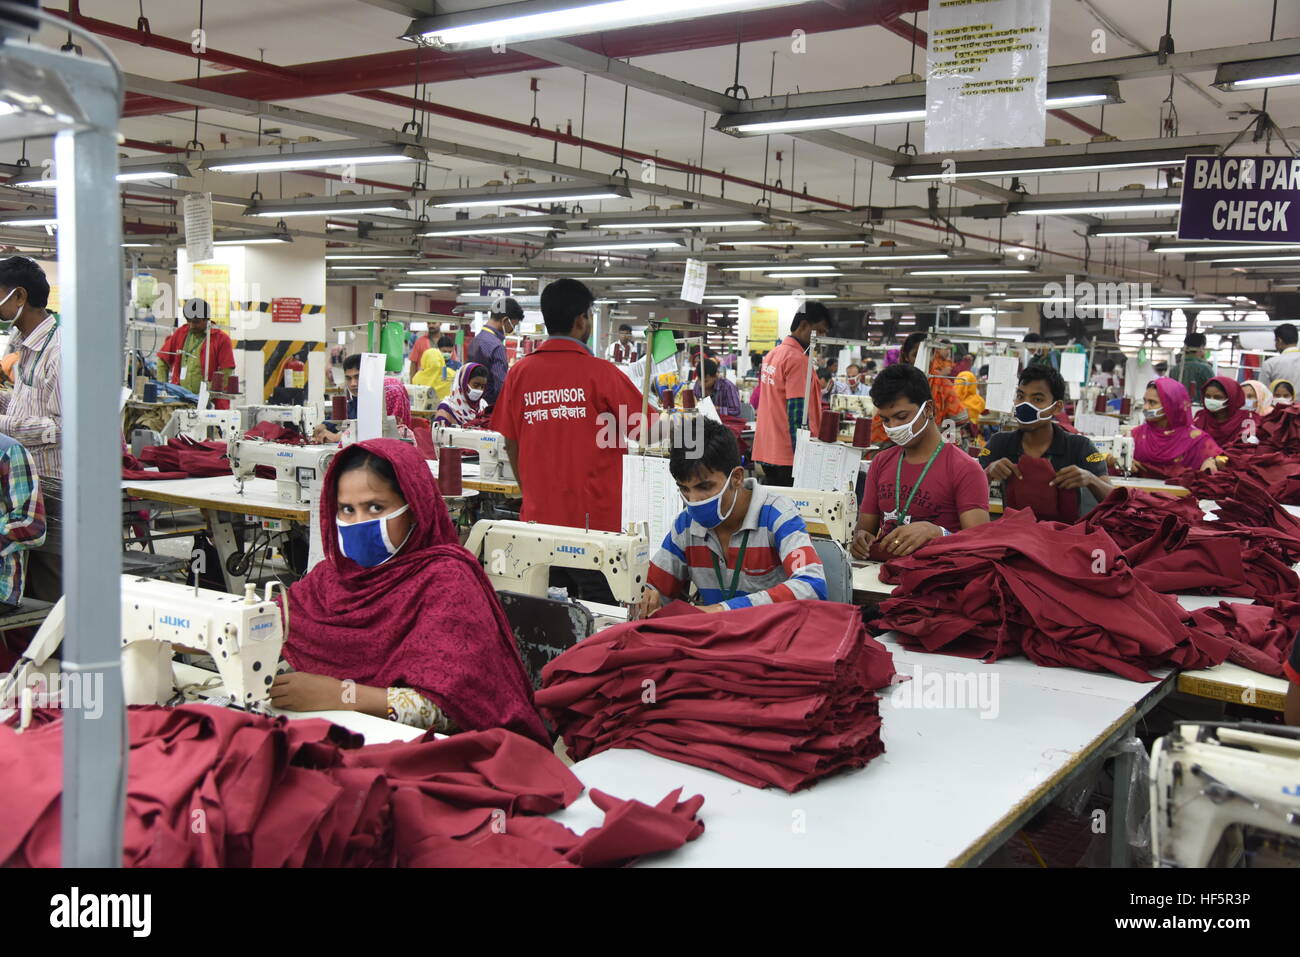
[[221, 492]]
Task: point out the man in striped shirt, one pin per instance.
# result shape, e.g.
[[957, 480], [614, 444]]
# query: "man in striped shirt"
[[738, 543]]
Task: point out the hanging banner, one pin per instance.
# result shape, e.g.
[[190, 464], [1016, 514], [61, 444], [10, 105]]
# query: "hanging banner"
[[986, 74], [1240, 199], [697, 274], [762, 328], [494, 285], [198, 227], [211, 283]]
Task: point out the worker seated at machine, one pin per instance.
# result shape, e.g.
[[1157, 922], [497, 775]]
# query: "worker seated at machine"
[[922, 488], [1167, 442], [465, 402], [738, 543], [1078, 465], [396, 404], [399, 620]]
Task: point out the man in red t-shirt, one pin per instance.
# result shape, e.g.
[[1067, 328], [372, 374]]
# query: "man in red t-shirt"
[[923, 487], [783, 379], [565, 416]]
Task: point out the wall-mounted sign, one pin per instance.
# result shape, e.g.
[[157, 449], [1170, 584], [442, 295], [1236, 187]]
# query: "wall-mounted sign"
[[286, 309], [1241, 199]]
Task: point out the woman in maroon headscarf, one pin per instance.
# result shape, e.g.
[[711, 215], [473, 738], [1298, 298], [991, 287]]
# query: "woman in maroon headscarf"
[[1225, 417], [399, 620], [1168, 442]]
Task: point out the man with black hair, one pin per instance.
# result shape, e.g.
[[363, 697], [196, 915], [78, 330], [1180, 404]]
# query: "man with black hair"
[[566, 415], [911, 346], [332, 431], [1287, 365], [722, 391], [196, 351], [1040, 396], [488, 348], [922, 488], [854, 383], [32, 412], [1192, 370], [783, 379], [738, 543], [1041, 351], [447, 346], [623, 350]]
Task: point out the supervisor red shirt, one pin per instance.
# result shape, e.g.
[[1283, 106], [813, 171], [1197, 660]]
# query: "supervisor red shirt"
[[784, 375], [562, 404], [956, 484]]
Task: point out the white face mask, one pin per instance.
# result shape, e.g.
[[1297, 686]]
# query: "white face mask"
[[904, 434], [1250, 405], [475, 394], [1282, 400], [1215, 405]]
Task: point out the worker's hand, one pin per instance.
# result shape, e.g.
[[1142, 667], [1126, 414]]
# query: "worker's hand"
[[1001, 470], [860, 547], [1210, 465], [300, 691], [1072, 477], [905, 539], [320, 435], [651, 601], [710, 609]]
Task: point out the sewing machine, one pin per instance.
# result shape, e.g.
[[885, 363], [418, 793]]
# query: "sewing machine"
[[1119, 447], [299, 469], [423, 398], [198, 423], [833, 514], [518, 556], [493, 462], [1226, 795], [859, 405], [304, 418], [243, 634]]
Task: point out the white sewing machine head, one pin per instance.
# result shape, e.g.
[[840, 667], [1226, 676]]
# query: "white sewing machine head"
[[299, 469], [197, 424], [1226, 795], [304, 418], [493, 462], [243, 634], [859, 405], [518, 556], [423, 398], [1119, 447], [833, 514]]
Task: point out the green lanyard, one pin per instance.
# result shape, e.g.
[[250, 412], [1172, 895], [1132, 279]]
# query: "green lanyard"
[[31, 371], [730, 593], [903, 517]]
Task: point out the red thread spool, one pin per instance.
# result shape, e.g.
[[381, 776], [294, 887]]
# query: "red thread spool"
[[339, 410], [667, 399], [449, 479], [1100, 406], [1125, 405], [830, 427], [232, 384], [861, 433], [688, 399], [218, 382]]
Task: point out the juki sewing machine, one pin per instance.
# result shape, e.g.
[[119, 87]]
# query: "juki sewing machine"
[[198, 424], [423, 398], [518, 556], [1226, 795], [833, 514], [243, 635], [1119, 447], [304, 418], [493, 462], [859, 405], [299, 469]]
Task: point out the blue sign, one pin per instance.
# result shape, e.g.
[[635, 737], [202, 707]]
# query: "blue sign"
[[490, 284], [1241, 199]]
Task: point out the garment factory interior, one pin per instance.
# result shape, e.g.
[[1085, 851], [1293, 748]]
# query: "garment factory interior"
[[540, 427]]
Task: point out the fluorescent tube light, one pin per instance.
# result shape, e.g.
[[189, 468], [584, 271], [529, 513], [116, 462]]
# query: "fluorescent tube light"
[[312, 156]]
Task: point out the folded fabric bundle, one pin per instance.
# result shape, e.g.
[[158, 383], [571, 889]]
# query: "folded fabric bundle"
[[191, 459], [780, 694], [214, 787], [1245, 505], [1280, 429], [1059, 594], [1034, 491], [1259, 637], [275, 432], [1278, 472], [1131, 516]]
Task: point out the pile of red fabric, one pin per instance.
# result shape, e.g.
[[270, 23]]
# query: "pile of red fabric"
[[1059, 594], [274, 432], [779, 694], [181, 457], [1280, 430], [213, 787], [1259, 636]]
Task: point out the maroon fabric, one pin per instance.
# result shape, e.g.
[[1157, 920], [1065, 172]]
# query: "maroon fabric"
[[779, 694], [1178, 445], [274, 432], [427, 618], [183, 458], [1059, 594], [1240, 423], [215, 787], [1260, 637], [1034, 491], [1280, 430]]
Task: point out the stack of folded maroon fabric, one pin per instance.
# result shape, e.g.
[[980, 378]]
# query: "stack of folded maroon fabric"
[[1059, 594], [1280, 430], [275, 432], [1259, 637], [780, 694], [181, 457], [213, 787]]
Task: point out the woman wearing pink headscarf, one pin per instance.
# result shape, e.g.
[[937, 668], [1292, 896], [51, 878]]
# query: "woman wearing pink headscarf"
[[1257, 391], [1168, 442], [397, 404], [1225, 417]]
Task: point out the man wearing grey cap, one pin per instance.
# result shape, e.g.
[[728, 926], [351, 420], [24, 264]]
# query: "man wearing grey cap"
[[488, 348]]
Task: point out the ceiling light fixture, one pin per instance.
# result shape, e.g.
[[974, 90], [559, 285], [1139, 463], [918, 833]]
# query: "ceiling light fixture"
[[581, 247], [1258, 74], [527, 194], [321, 206], [1082, 162], [312, 156]]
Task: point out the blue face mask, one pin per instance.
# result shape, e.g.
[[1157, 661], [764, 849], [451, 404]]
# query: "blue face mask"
[[367, 542], [709, 512]]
